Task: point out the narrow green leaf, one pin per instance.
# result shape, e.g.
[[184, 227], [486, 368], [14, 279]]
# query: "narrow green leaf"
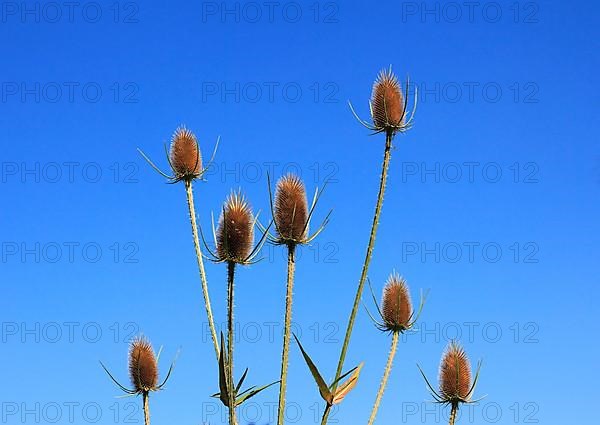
[[344, 375], [246, 390], [251, 392], [223, 387], [239, 385], [323, 388]]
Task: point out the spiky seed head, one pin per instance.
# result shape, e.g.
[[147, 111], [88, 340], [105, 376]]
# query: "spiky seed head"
[[387, 102], [185, 156], [235, 232], [291, 209], [455, 374], [143, 369], [397, 307]]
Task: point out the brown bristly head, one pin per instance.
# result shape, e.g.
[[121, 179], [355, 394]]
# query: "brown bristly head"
[[185, 156], [235, 232], [455, 374], [143, 369], [397, 307], [291, 209], [387, 102]]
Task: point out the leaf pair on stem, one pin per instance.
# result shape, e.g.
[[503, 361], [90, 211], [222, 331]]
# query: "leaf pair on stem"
[[225, 388], [332, 394]]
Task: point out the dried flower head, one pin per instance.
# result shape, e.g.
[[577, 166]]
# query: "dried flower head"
[[291, 213], [235, 232], [396, 312], [455, 374], [291, 209], [397, 307], [387, 102], [389, 105], [185, 156], [455, 384], [143, 369]]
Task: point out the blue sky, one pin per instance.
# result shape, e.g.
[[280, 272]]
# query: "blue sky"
[[490, 204]]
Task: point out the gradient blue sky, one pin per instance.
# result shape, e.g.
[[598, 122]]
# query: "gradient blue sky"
[[513, 93]]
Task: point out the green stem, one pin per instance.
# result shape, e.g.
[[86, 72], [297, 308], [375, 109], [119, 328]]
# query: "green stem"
[[384, 379], [287, 331], [453, 411], [230, 386], [211, 323], [146, 408], [365, 268]]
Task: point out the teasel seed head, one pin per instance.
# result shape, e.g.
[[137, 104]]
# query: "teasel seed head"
[[143, 368], [396, 305], [185, 156], [291, 209], [387, 102], [235, 232], [455, 386], [396, 313], [455, 374]]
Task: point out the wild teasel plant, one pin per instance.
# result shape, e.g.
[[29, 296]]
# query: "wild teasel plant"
[[455, 386], [185, 161], [397, 316], [389, 115], [143, 373], [291, 216], [234, 244]]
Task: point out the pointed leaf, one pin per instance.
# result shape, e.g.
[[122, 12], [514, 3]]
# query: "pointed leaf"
[[241, 381], [334, 383], [251, 392], [246, 390], [223, 387], [323, 388], [347, 386]]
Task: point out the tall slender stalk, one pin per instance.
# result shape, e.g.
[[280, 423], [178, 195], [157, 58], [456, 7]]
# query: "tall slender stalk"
[[384, 379], [365, 268], [291, 266], [230, 386], [211, 323], [453, 412], [146, 408]]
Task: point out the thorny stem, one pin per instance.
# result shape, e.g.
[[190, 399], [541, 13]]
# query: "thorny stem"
[[453, 411], [365, 268], [230, 386], [386, 374], [146, 408], [287, 330], [211, 323]]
